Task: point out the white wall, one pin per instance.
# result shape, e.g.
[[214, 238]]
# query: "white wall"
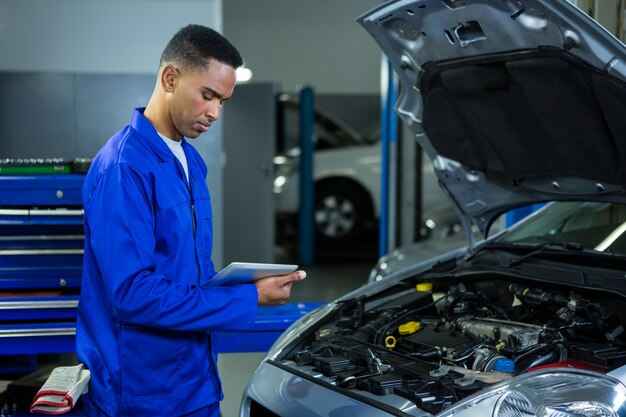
[[102, 36], [291, 42], [108, 37], [607, 13], [315, 42]]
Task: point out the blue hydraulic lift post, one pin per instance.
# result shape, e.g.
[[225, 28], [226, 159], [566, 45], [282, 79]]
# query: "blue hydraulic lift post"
[[305, 214], [384, 150], [388, 138], [392, 164], [518, 214]]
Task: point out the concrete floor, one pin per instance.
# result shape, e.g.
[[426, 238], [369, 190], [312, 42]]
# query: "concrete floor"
[[325, 281]]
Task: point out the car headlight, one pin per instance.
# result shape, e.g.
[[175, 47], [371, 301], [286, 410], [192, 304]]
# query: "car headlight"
[[297, 328], [548, 393], [279, 183], [283, 173]]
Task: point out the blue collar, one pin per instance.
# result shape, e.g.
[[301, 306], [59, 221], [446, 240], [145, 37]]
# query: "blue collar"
[[149, 135]]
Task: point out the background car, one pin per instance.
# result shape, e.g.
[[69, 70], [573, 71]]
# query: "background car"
[[346, 174], [516, 103], [442, 239]]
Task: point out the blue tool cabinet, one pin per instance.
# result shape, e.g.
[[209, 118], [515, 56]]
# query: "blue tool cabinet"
[[41, 252]]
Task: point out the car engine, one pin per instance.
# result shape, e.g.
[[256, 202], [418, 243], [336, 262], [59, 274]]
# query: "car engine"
[[437, 341]]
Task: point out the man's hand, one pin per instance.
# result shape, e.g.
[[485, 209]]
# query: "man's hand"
[[276, 290]]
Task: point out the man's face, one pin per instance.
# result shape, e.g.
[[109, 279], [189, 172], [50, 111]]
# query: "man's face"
[[197, 99]]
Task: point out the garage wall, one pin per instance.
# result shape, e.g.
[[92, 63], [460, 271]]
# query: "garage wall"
[[287, 42], [609, 13], [306, 42], [81, 44], [102, 36]]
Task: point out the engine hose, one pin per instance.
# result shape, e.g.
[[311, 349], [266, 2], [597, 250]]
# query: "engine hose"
[[448, 311], [367, 331], [556, 351], [489, 304], [468, 353], [563, 351], [428, 355], [538, 360], [530, 352], [571, 326]]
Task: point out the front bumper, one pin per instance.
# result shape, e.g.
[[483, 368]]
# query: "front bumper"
[[275, 391]]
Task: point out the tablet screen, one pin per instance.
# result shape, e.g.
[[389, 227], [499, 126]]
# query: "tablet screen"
[[247, 272]]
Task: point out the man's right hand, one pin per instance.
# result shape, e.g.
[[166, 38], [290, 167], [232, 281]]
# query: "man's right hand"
[[276, 290]]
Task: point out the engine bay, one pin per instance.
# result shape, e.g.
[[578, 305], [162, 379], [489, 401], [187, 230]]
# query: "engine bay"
[[437, 341]]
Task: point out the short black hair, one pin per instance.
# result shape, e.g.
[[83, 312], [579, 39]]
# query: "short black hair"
[[193, 45]]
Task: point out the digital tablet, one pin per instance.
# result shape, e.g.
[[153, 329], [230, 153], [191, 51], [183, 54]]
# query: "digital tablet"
[[246, 272]]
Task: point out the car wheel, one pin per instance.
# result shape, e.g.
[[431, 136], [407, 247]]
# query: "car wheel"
[[342, 211]]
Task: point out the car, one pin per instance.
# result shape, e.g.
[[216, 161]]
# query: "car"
[[516, 103], [438, 238], [346, 175], [441, 231], [439, 241]]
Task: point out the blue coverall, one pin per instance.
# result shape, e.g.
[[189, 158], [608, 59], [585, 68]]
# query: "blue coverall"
[[144, 318]]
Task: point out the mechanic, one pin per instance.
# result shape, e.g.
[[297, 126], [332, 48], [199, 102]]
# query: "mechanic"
[[145, 320]]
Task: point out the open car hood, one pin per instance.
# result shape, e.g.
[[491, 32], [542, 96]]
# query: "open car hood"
[[515, 101]]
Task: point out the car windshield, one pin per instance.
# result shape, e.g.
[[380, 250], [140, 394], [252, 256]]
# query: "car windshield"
[[328, 131], [597, 226]]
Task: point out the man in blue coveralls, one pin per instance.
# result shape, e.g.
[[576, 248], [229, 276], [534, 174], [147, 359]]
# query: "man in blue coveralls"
[[145, 321]]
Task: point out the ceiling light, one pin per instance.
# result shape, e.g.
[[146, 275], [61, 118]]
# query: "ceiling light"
[[243, 74]]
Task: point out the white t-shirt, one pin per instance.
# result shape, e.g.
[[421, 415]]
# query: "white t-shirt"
[[177, 149]]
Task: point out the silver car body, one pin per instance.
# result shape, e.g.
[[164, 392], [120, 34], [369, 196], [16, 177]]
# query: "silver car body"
[[516, 102], [360, 163]]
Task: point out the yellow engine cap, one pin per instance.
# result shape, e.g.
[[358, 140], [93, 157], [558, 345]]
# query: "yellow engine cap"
[[390, 342], [409, 327], [424, 286]]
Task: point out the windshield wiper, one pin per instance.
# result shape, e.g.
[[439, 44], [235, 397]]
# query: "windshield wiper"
[[551, 247], [495, 246]]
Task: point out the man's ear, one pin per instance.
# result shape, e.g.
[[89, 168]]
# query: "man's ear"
[[169, 78]]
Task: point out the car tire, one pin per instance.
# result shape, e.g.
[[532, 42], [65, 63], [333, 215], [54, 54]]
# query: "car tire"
[[342, 211]]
